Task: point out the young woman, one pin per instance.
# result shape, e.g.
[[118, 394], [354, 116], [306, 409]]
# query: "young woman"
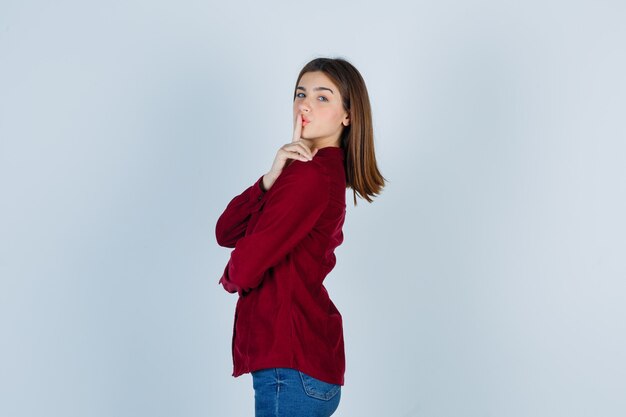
[[284, 229]]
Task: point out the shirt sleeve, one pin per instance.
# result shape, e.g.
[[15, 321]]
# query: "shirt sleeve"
[[233, 222], [293, 206]]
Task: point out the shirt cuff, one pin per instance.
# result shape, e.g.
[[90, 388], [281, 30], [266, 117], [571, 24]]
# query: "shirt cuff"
[[227, 286], [257, 190]]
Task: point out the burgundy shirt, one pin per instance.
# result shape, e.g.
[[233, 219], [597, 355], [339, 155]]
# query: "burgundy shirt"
[[284, 241]]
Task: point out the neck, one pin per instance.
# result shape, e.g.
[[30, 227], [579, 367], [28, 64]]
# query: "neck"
[[319, 144]]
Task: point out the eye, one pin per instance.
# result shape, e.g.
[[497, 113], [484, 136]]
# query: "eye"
[[300, 95], [323, 98]]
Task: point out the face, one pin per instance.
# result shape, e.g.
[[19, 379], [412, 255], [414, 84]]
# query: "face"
[[320, 105]]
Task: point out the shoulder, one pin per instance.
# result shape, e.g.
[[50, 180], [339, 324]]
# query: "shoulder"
[[305, 180], [310, 171]]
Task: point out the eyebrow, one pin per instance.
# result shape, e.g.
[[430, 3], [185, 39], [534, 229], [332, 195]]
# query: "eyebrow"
[[316, 89]]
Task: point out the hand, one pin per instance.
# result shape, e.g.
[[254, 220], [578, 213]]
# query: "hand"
[[296, 150]]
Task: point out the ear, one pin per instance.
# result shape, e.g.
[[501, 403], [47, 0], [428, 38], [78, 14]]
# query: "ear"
[[346, 119]]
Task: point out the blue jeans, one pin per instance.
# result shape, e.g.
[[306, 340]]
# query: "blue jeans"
[[286, 392]]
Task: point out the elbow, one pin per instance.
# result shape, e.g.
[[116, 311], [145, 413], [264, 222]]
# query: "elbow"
[[224, 239], [228, 234]]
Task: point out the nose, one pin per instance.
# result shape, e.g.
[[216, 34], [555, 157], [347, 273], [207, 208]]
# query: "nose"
[[303, 107]]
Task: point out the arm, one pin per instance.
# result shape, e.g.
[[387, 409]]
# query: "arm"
[[233, 222], [290, 212]]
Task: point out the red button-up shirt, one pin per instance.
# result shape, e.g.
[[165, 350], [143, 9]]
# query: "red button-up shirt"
[[284, 241]]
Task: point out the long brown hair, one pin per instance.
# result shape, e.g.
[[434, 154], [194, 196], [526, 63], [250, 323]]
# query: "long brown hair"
[[357, 139]]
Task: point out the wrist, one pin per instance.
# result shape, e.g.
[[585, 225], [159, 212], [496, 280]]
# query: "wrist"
[[267, 181]]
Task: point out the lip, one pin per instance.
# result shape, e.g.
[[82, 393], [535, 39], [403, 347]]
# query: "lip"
[[305, 121]]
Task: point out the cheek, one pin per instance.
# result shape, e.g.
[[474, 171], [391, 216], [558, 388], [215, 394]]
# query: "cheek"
[[334, 115]]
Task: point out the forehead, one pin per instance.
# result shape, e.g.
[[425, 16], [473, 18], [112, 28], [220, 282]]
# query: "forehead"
[[317, 79]]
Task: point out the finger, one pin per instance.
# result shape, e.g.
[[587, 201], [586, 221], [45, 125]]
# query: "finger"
[[301, 148], [297, 131], [297, 156], [303, 153]]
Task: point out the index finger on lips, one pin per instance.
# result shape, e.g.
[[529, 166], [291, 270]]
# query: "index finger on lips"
[[297, 131]]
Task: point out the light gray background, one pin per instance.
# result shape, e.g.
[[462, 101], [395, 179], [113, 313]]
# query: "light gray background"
[[487, 280]]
